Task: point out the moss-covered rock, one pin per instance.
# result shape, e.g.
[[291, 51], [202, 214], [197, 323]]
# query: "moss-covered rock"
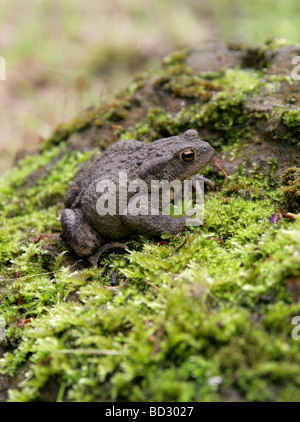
[[169, 318]]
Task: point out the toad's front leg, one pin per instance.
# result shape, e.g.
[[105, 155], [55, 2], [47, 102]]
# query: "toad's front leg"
[[204, 179], [151, 221]]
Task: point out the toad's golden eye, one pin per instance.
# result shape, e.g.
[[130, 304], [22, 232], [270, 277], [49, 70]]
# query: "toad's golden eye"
[[188, 156]]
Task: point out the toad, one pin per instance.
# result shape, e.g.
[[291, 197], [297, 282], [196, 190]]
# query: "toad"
[[87, 228]]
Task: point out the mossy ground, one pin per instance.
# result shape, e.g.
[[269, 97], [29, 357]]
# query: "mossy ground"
[[161, 322]]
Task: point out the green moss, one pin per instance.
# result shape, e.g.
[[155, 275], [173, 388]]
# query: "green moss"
[[291, 188], [291, 119], [175, 58], [241, 80], [133, 344], [275, 43], [181, 82], [224, 114]]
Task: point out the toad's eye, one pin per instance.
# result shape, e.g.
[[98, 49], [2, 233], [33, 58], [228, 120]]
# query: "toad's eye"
[[187, 156]]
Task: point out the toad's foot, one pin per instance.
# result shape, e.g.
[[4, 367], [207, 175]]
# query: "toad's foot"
[[78, 234]]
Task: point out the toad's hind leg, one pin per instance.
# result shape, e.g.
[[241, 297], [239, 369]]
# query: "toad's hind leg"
[[78, 234]]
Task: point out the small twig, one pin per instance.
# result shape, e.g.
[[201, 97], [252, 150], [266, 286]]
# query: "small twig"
[[117, 288], [125, 282], [89, 352], [42, 236], [44, 361], [151, 284], [112, 288], [20, 297], [180, 246], [285, 215], [26, 321], [114, 127], [222, 170], [155, 350]]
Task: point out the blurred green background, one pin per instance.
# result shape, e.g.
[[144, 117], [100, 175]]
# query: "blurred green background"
[[65, 55]]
